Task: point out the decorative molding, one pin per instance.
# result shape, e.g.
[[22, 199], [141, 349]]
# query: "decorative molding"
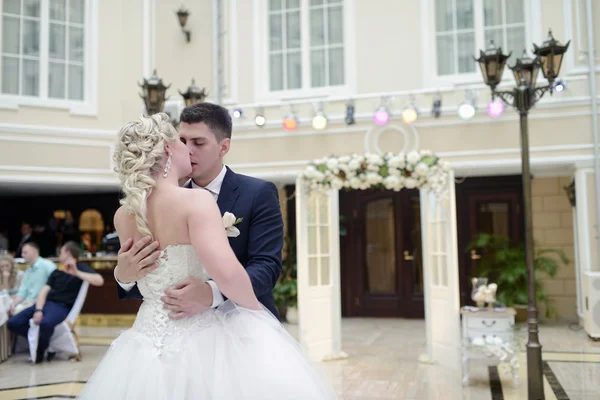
[[59, 170], [52, 140], [44, 130]]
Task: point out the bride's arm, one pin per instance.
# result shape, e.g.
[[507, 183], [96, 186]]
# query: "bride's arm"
[[207, 236]]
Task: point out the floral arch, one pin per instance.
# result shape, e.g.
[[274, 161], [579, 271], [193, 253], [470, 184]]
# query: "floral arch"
[[391, 171], [318, 246]]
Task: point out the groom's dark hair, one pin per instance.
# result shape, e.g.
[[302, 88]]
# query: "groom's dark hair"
[[217, 118]]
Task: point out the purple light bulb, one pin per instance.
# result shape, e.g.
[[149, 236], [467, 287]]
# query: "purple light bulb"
[[495, 108], [381, 116]]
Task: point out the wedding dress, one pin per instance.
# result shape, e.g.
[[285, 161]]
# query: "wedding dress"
[[229, 352]]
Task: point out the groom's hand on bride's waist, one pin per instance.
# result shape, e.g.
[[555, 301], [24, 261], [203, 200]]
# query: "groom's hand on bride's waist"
[[187, 298], [134, 262]]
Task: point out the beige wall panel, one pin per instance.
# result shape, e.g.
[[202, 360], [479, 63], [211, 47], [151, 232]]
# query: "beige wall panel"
[[178, 61], [54, 155], [388, 49]]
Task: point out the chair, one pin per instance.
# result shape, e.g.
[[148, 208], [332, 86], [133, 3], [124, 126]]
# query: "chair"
[[64, 340]]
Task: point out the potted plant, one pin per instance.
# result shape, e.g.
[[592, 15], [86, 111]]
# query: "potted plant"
[[503, 263], [285, 292]]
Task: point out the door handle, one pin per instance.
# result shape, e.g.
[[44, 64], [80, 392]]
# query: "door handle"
[[407, 256], [474, 255]]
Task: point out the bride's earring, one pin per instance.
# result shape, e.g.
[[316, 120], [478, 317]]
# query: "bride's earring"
[[167, 167]]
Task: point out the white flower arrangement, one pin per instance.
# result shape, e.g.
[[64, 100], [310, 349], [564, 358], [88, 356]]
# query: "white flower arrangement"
[[391, 171], [490, 346]]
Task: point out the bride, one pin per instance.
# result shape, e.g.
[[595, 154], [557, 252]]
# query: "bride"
[[235, 351]]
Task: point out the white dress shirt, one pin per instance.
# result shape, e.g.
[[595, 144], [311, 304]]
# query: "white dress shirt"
[[214, 187]]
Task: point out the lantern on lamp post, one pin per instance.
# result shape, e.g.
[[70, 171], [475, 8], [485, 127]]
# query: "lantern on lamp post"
[[153, 94], [194, 94], [523, 97]]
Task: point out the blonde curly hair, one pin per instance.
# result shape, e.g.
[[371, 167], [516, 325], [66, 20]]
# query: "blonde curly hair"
[[138, 157], [12, 278]]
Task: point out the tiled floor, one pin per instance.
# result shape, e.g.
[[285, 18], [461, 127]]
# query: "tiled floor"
[[383, 364]]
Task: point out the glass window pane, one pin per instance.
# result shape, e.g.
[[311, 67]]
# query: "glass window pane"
[[275, 33], [312, 208], [444, 14], [31, 8], [276, 72], [445, 55], [380, 251], [466, 51], [56, 80], [317, 70], [274, 5], [335, 25], [76, 11], [75, 44], [514, 11], [516, 42], [11, 6], [325, 262], [317, 28], [312, 240], [293, 30], [31, 78], [336, 67], [10, 75], [323, 240], [324, 209], [464, 14], [492, 12], [316, 2], [292, 4], [497, 36], [11, 35], [57, 42], [313, 271], [31, 38], [493, 218], [75, 82], [58, 10], [294, 71]]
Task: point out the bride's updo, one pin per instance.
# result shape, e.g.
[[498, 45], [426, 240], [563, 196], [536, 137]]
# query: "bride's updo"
[[138, 157]]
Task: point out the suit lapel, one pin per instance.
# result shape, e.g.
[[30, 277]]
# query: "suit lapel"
[[228, 194]]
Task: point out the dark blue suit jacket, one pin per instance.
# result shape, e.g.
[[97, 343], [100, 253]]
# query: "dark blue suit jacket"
[[259, 245]]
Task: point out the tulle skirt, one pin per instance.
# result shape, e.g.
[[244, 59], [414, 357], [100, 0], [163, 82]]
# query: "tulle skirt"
[[231, 353]]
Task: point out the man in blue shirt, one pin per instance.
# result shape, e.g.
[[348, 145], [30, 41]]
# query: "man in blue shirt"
[[56, 298], [34, 278]]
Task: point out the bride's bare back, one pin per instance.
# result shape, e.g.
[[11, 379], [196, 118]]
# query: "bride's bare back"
[[184, 216]]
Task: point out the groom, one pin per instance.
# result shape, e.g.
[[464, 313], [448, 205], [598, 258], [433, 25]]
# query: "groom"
[[206, 130]]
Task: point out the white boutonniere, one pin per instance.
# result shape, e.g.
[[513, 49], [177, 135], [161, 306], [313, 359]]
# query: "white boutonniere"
[[230, 221]]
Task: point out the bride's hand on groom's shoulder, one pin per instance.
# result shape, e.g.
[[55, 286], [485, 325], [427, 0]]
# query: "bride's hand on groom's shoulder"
[[188, 298], [134, 261]]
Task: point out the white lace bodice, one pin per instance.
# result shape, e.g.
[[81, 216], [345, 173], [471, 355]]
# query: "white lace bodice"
[[177, 263]]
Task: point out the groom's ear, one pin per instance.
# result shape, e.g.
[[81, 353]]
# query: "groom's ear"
[[225, 145]]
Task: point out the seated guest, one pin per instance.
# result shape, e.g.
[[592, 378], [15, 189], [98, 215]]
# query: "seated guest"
[[10, 275], [56, 298], [34, 279]]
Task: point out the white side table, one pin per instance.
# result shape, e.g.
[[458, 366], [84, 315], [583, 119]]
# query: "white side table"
[[486, 324]]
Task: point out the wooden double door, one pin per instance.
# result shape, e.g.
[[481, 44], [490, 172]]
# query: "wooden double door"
[[381, 252], [381, 257]]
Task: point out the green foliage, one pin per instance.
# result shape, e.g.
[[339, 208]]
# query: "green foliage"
[[286, 289], [504, 264]]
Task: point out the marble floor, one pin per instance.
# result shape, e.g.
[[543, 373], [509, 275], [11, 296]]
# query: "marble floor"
[[382, 364]]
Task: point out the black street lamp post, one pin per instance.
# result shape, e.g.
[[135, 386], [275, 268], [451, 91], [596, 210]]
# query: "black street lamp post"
[[523, 97]]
